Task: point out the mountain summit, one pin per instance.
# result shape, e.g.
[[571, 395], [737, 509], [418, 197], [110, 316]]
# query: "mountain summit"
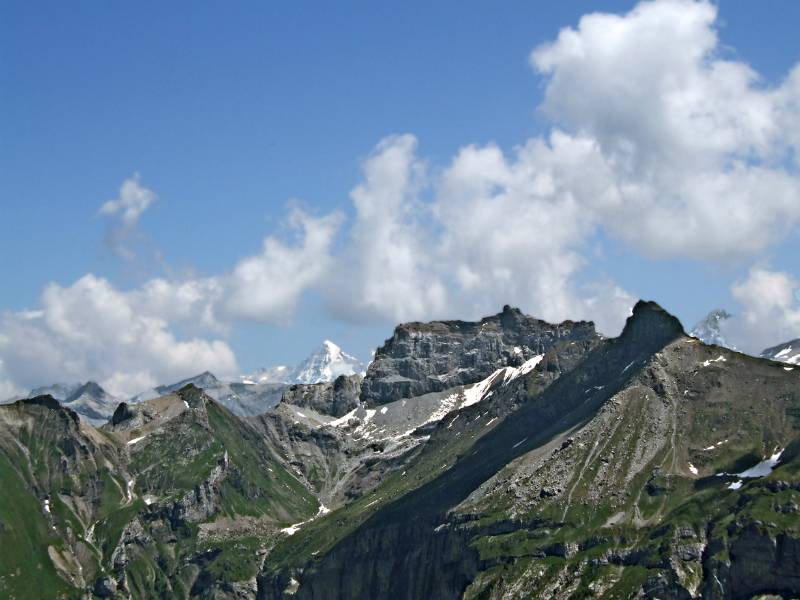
[[324, 365], [709, 329]]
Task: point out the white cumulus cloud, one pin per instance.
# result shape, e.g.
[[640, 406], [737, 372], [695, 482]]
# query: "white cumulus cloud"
[[698, 147], [770, 310], [389, 269], [91, 330], [493, 230], [267, 286]]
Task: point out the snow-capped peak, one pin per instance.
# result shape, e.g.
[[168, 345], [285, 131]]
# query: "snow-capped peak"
[[325, 364], [331, 348], [709, 329]]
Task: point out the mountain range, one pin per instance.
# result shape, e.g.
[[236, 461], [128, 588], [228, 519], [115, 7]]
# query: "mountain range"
[[251, 395], [503, 458], [88, 399]]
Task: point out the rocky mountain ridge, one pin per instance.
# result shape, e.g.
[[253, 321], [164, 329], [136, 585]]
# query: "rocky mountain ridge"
[[252, 395], [429, 357], [89, 399], [240, 398], [505, 458], [788, 352]]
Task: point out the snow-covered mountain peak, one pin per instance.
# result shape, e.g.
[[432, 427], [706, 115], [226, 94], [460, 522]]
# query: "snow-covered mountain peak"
[[325, 364], [709, 329]]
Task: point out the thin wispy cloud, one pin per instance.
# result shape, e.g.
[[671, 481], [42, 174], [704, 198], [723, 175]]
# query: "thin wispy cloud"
[[124, 212]]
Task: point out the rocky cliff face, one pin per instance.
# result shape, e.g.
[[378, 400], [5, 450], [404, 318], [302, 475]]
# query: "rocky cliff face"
[[334, 398], [429, 357], [758, 559]]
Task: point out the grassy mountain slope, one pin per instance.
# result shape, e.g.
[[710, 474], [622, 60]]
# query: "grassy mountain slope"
[[176, 496]]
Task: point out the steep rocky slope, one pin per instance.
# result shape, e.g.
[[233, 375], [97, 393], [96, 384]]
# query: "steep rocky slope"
[[59, 478], [344, 458], [627, 475]]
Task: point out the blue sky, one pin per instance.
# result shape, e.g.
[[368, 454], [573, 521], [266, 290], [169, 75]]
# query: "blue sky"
[[234, 113]]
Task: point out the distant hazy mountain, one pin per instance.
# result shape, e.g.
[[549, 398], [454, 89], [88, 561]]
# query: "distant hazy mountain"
[[89, 400], [59, 391], [788, 352], [279, 374], [325, 364], [709, 328], [242, 399]]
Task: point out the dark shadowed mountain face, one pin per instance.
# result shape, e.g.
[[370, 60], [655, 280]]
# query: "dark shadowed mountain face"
[[507, 458]]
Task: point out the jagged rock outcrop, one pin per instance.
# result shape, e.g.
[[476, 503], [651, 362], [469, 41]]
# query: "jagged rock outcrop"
[[201, 502], [334, 398], [429, 357], [47, 401]]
